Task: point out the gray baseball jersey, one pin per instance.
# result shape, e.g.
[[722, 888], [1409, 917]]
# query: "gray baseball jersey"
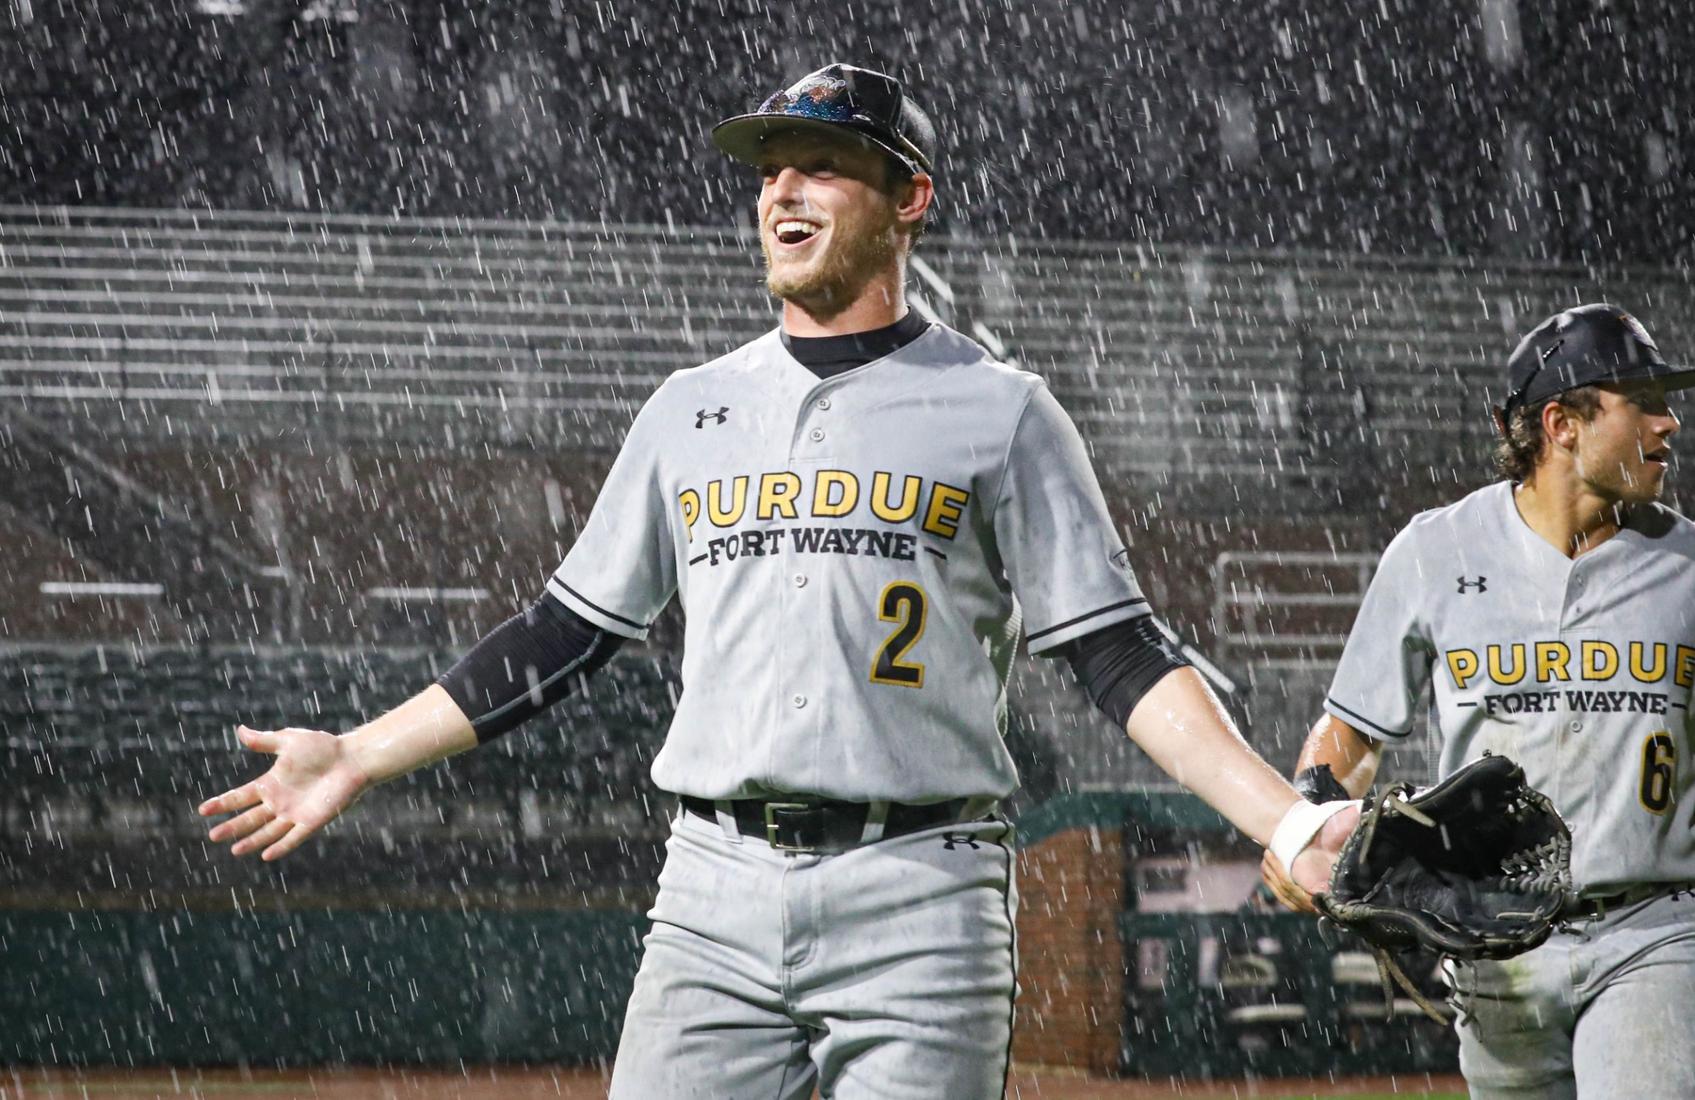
[[1579, 669], [855, 556]]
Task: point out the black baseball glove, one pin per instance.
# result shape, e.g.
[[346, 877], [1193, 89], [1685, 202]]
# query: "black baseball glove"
[[1476, 867]]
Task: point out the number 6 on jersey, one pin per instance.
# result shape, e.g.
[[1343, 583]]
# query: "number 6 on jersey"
[[905, 603], [1659, 772]]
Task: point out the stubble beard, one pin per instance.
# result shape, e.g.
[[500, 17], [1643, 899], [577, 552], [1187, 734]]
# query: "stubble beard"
[[1647, 489], [1623, 489], [835, 280]]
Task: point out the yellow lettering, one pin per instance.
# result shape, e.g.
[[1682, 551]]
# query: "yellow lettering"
[[690, 501], [1501, 675], [715, 510], [911, 485], [1551, 661], [777, 493], [1645, 673], [1600, 660], [947, 504], [826, 487], [1685, 674], [1462, 665]]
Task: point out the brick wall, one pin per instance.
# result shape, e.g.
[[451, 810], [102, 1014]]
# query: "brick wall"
[[1071, 967]]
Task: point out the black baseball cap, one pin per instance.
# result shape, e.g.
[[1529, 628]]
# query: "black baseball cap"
[[834, 99], [1583, 346]]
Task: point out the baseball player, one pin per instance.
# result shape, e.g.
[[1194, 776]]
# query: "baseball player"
[[861, 513], [1552, 617]]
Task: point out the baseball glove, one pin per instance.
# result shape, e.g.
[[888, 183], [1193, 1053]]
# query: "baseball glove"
[[1476, 867]]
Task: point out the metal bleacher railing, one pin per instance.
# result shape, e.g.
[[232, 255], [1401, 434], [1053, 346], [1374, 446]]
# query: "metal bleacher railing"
[[1284, 382], [230, 323], [1256, 596], [1188, 363]]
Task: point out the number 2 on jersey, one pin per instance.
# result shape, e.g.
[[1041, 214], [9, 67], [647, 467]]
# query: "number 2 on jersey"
[[1659, 772], [905, 603]]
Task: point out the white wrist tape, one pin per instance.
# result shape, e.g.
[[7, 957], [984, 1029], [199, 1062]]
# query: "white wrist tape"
[[1300, 825]]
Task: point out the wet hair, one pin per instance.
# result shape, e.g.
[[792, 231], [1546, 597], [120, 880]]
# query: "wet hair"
[[1519, 449]]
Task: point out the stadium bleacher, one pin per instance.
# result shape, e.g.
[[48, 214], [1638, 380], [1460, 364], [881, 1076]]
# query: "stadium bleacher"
[[108, 749], [389, 428], [261, 323], [1206, 361], [1213, 371]]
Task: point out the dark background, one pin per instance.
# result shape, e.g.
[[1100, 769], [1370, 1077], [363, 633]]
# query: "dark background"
[[1556, 130]]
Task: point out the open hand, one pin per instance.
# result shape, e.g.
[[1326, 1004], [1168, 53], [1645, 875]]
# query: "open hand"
[[314, 779]]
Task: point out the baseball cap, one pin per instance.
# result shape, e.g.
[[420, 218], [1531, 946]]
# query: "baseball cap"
[[835, 98], [1580, 347]]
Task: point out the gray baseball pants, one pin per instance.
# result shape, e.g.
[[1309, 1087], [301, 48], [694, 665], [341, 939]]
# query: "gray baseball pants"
[[1604, 1012], [881, 973]]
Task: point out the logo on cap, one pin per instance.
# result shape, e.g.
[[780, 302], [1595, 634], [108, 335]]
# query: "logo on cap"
[[820, 89], [1637, 330]]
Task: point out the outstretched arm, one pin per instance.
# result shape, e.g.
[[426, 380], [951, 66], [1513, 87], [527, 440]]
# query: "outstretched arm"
[[1187, 732], [1353, 759], [520, 668], [319, 774]]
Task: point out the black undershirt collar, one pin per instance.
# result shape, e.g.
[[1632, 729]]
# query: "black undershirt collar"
[[828, 356]]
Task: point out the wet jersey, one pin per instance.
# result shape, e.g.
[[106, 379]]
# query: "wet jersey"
[[1579, 669], [855, 557]]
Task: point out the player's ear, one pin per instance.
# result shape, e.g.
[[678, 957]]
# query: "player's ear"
[[1559, 425], [913, 199]]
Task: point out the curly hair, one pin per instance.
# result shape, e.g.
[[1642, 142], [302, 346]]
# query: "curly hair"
[[1519, 448]]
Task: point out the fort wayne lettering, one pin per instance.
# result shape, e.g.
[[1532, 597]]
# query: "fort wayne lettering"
[[1551, 664]]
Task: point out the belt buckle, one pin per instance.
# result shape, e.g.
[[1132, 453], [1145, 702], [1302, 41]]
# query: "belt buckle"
[[771, 826]]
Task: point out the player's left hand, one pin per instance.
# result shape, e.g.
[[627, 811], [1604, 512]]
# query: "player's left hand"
[[1312, 866]]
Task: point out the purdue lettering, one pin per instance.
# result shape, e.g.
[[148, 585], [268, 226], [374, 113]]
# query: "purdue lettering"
[[828, 494], [1514, 664]]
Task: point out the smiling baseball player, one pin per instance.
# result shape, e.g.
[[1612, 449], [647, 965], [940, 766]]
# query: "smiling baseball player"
[[1552, 617], [861, 513]]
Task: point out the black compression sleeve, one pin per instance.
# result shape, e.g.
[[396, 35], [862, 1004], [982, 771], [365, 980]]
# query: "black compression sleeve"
[[525, 665], [1117, 664]]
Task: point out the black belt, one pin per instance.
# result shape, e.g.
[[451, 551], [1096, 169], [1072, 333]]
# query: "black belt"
[[824, 824]]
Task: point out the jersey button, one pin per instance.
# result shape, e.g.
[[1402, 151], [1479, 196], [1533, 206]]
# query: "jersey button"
[[799, 701], [800, 580], [816, 435], [1576, 726], [824, 403]]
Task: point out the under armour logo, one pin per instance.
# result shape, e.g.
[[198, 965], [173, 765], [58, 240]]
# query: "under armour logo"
[[701, 417], [1478, 584], [950, 841]]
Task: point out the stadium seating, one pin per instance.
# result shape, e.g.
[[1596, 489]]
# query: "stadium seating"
[[1204, 366], [383, 328], [108, 750]]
